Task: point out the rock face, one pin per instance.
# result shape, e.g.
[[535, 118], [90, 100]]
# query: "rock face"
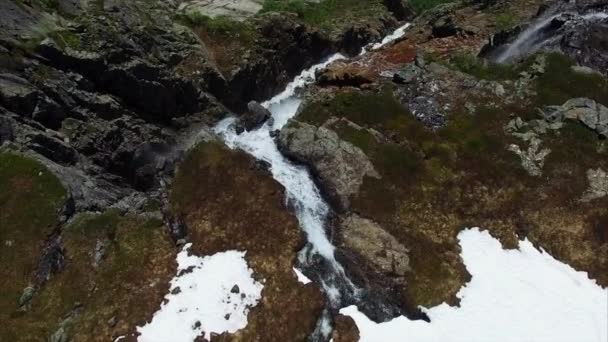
[[339, 165]]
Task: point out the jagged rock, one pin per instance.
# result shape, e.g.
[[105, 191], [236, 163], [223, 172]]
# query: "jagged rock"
[[532, 159], [592, 114], [375, 245], [17, 94], [52, 148], [339, 165]]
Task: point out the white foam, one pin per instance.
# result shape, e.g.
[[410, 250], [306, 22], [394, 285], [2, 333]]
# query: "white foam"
[[205, 302], [513, 296], [398, 33]]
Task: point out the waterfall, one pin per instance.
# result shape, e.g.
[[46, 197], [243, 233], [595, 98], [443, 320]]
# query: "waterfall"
[[302, 193], [532, 38], [527, 39]]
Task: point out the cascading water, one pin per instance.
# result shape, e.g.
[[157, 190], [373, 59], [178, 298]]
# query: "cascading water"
[[533, 38], [301, 192]]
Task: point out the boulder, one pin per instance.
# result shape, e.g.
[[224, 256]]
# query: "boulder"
[[338, 165], [255, 116], [345, 75], [375, 245], [592, 114], [445, 27]]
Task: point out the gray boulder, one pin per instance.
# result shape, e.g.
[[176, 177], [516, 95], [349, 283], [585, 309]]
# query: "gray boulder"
[[253, 118], [369, 240], [339, 165], [592, 114]]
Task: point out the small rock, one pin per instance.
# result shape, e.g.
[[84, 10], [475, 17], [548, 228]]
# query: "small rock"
[[112, 321], [27, 295], [235, 289]]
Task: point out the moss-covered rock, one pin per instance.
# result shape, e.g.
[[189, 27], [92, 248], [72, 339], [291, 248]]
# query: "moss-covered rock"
[[30, 200], [116, 272]]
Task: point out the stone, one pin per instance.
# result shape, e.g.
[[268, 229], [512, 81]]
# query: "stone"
[[345, 75], [255, 116], [598, 185], [26, 296], [339, 165], [53, 149], [444, 27], [235, 289], [592, 114], [375, 245], [532, 159]]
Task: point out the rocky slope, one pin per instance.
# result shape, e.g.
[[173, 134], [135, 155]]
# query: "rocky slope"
[[108, 165], [442, 140], [99, 101]]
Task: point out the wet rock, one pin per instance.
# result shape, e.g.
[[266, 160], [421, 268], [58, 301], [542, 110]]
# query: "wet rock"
[[255, 116], [375, 245], [339, 165]]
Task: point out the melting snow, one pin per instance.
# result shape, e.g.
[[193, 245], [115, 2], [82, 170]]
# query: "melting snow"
[[204, 298], [514, 295], [301, 277]]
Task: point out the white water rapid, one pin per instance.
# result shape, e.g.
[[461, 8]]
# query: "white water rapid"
[[301, 191], [531, 39]]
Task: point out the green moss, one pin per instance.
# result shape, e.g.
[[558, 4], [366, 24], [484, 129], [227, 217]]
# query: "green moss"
[[127, 282], [506, 20], [30, 197], [326, 12], [421, 6], [484, 69], [377, 110], [560, 83]]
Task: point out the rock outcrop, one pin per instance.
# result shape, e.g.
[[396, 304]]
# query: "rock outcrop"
[[592, 114], [339, 166]]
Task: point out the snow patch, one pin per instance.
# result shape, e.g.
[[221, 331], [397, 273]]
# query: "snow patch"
[[211, 294], [514, 295], [301, 277]]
